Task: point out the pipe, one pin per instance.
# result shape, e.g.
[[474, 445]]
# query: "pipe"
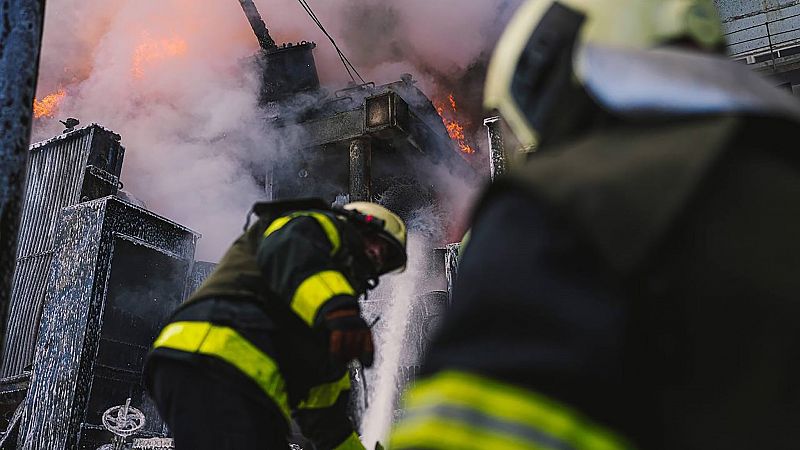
[[497, 151], [265, 41], [20, 42], [360, 170]]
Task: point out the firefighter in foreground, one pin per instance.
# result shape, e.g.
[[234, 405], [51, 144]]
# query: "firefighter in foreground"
[[635, 283], [266, 338]]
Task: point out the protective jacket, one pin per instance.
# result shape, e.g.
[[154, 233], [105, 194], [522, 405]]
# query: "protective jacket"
[[634, 288], [258, 315]]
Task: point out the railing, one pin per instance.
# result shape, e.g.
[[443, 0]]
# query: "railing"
[[777, 42]]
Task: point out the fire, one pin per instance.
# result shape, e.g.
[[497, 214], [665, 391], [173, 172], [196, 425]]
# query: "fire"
[[454, 128], [152, 50], [47, 106]]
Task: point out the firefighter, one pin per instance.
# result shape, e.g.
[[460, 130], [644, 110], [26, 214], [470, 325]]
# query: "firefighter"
[[634, 283], [266, 338]]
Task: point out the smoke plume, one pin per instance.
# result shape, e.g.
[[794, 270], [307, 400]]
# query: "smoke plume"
[[173, 78]]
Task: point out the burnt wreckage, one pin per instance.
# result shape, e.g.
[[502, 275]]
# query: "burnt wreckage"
[[97, 275]]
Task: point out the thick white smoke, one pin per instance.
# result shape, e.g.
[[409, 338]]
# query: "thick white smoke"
[[172, 78]]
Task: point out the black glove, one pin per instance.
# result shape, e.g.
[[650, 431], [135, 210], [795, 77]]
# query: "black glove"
[[350, 336]]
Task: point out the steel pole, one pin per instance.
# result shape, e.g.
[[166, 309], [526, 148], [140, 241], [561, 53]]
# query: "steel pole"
[[497, 151], [769, 40], [360, 170], [265, 41], [20, 46]]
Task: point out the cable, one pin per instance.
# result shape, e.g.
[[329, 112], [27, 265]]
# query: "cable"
[[349, 67], [313, 16], [345, 61]]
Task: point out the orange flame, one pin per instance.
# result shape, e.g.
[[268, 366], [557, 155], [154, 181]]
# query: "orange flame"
[[47, 106], [454, 128], [151, 51]]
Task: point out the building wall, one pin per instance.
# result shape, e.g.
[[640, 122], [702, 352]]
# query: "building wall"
[[746, 23]]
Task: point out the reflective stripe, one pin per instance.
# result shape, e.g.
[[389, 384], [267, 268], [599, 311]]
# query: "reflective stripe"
[[228, 345], [325, 395], [351, 443], [317, 289], [457, 410], [324, 221]]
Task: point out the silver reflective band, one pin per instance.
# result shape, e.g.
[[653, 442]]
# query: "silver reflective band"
[[482, 421]]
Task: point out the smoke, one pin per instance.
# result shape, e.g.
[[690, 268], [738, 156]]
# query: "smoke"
[[174, 79]]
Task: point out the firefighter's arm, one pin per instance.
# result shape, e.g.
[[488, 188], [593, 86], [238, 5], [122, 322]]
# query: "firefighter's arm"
[[296, 257], [323, 416]]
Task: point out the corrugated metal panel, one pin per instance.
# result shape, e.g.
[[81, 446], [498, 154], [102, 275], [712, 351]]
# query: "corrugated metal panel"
[[55, 178], [30, 285]]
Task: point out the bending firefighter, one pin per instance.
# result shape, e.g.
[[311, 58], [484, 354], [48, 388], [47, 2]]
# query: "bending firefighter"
[[266, 338], [634, 283]]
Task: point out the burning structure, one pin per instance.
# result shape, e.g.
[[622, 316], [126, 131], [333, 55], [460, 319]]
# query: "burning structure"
[[364, 141], [97, 276]]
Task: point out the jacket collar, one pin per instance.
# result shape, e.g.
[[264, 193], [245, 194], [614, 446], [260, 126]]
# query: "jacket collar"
[[672, 82]]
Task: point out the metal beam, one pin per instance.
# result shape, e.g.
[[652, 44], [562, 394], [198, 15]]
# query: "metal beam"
[[20, 45], [497, 151], [361, 170]]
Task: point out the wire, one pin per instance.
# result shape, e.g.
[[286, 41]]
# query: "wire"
[[349, 67], [345, 61]]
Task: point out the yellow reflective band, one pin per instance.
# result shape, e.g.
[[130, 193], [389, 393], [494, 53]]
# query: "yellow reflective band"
[[324, 221], [228, 345], [458, 410], [325, 395], [351, 443], [317, 289]]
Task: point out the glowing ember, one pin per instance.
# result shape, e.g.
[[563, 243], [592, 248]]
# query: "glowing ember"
[[454, 128], [151, 51], [47, 106], [453, 102]]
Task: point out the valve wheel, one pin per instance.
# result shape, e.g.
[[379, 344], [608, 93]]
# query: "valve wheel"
[[123, 420]]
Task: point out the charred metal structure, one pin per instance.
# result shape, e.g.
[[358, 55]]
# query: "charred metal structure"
[[117, 274], [96, 279], [368, 142], [380, 143], [81, 165]]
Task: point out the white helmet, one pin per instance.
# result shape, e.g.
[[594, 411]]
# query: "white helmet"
[[390, 227], [537, 72]]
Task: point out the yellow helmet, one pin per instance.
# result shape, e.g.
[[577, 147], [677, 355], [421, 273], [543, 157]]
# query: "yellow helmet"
[[535, 71], [390, 227]]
